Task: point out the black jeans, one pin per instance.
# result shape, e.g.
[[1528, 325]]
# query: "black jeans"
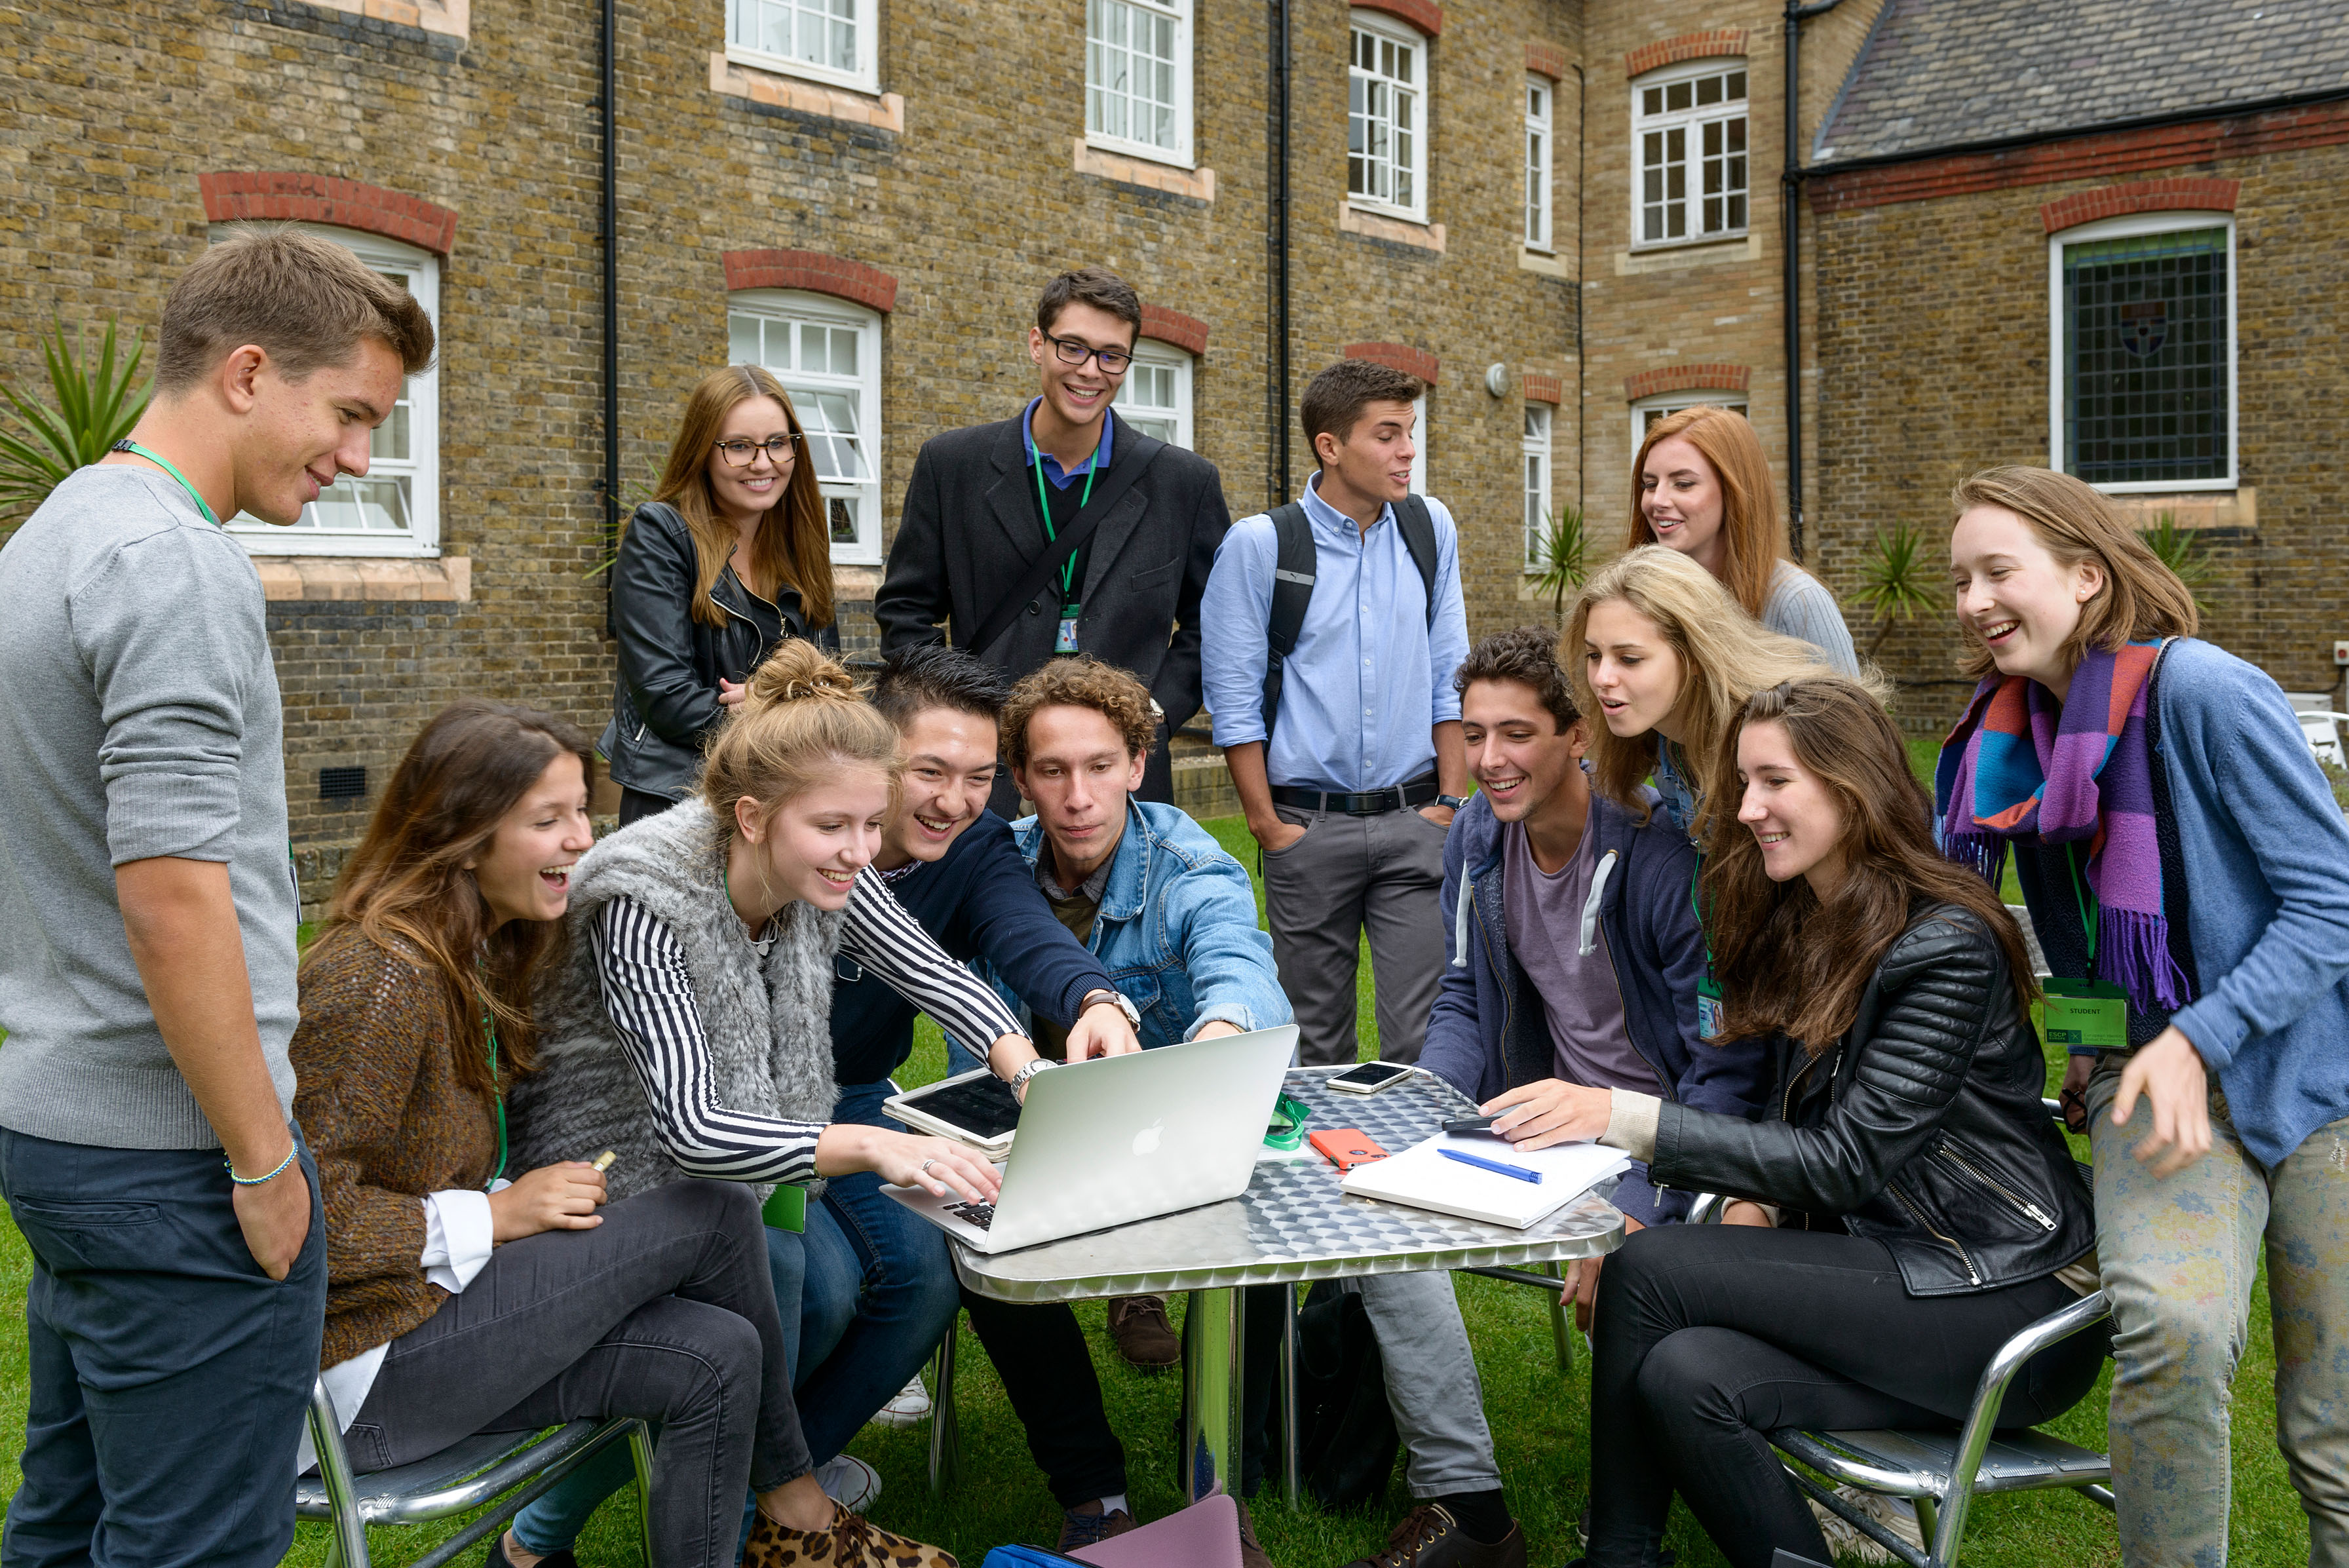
[[664, 1311], [1046, 1370], [636, 805], [1710, 1336]]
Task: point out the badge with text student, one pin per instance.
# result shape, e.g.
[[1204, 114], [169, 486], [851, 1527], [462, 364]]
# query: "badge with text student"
[[2085, 1015], [1066, 641]]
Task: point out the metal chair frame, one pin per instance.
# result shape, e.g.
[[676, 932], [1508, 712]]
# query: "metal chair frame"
[[487, 1467]]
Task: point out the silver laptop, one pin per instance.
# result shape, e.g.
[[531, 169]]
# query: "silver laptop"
[[1111, 1141]]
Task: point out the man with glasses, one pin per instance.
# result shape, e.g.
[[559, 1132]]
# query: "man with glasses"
[[1063, 529]]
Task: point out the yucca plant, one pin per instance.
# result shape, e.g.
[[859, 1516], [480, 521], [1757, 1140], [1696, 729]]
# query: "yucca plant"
[[95, 406], [1896, 580], [1557, 565], [2181, 552]]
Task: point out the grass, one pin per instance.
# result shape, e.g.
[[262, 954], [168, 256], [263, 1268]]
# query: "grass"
[[1539, 1418]]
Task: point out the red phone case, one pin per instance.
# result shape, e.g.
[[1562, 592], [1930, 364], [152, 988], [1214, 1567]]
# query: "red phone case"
[[1347, 1148]]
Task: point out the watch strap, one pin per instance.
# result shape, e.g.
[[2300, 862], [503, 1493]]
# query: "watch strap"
[[1454, 801]]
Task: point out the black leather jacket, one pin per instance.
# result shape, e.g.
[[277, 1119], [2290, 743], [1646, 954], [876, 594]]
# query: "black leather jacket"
[[664, 702], [1924, 1127]]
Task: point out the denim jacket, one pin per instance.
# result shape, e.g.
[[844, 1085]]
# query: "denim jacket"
[[1177, 928]]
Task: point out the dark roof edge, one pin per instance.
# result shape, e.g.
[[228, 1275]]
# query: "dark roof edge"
[[2100, 127], [1851, 73]]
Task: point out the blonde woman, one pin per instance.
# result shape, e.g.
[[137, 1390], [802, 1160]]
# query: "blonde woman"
[[729, 558], [1665, 659], [1701, 486]]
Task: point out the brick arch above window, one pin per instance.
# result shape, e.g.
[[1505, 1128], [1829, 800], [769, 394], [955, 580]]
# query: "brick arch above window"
[[1401, 356], [1707, 46], [2140, 196], [1187, 333], [1716, 377], [1425, 14], [813, 272], [291, 195]]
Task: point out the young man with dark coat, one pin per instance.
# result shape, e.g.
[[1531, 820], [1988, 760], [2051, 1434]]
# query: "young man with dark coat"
[[986, 503]]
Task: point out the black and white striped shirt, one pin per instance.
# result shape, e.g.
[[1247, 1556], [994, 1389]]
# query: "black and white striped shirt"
[[649, 995]]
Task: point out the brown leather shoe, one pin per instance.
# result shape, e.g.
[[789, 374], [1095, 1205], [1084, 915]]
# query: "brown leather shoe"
[[1143, 1336], [1428, 1538], [1089, 1526], [1251, 1555], [852, 1542]]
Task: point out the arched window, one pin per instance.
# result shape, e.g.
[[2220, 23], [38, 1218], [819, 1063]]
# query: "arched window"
[[1689, 165], [827, 354], [1648, 411]]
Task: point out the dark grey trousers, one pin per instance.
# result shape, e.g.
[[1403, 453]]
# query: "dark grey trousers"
[[1349, 876], [664, 1311]]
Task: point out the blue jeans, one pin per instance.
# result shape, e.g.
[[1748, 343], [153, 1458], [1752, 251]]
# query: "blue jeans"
[[169, 1374], [866, 1294]]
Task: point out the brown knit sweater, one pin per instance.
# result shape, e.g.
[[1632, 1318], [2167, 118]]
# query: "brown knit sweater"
[[380, 1103]]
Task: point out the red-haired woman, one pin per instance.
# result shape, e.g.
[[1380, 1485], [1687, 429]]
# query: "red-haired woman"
[[729, 558]]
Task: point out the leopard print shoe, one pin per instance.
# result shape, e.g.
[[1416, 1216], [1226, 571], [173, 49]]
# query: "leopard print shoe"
[[852, 1541]]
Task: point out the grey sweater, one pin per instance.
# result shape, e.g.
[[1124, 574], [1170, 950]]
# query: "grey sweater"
[[1800, 605], [138, 718]]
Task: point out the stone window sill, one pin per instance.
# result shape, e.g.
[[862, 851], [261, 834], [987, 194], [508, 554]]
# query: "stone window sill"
[[1198, 185], [445, 580], [2236, 508], [1353, 220], [1696, 253], [732, 78], [450, 18], [1544, 262], [850, 585]]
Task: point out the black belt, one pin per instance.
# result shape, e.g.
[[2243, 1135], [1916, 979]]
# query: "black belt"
[[1372, 803]]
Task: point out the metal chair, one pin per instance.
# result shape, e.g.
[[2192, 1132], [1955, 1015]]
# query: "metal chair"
[[512, 1468]]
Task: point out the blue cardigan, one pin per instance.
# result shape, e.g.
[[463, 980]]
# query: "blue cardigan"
[[2267, 857], [978, 900]]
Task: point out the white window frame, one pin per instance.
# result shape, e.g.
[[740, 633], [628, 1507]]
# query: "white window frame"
[[1664, 404], [1179, 154], [794, 306], [866, 76], [1389, 30], [1163, 357], [1691, 120], [2131, 227], [423, 392], [1541, 145], [1538, 448]]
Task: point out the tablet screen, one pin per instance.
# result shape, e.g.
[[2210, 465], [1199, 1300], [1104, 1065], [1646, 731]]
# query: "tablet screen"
[[983, 1108]]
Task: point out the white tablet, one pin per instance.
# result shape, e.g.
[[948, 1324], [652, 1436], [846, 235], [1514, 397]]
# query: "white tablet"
[[976, 1108]]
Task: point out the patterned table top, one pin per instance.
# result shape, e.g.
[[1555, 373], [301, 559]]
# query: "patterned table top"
[[1293, 1222]]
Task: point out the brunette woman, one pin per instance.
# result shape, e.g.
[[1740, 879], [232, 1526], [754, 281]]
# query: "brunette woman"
[[1701, 486], [2187, 870], [1926, 1208], [459, 1300], [729, 558], [1663, 656]]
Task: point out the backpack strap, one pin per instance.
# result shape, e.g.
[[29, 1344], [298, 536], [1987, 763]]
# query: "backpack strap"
[[1418, 525], [1292, 589]]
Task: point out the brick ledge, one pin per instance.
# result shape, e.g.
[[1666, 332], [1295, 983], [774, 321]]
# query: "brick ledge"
[[445, 580], [734, 79], [453, 17], [1353, 220], [1198, 185]]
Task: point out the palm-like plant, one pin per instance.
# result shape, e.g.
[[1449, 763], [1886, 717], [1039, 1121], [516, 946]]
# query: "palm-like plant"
[[95, 406], [2181, 552], [1896, 580], [1557, 565]]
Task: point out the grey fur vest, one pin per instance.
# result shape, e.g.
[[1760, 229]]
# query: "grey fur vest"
[[768, 1021]]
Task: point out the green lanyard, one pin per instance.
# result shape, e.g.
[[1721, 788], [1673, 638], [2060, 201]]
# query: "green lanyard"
[[489, 1022], [1069, 566], [2089, 913], [127, 444]]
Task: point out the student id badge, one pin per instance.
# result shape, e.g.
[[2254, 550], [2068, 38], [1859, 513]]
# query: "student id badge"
[[786, 1208], [2084, 1016], [1066, 641], [1708, 1009]]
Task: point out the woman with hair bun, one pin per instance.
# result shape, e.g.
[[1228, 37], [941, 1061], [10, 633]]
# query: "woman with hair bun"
[[1701, 486], [690, 1030]]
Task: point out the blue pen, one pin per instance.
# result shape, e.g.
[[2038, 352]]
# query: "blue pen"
[[1495, 1166]]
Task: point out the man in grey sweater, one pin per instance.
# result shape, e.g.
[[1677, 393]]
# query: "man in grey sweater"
[[147, 926]]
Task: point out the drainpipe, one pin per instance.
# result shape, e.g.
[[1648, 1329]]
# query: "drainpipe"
[[607, 43], [1790, 187], [1278, 422], [1581, 403]]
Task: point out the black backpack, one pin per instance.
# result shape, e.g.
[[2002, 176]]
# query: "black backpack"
[[1292, 584], [1346, 1431]]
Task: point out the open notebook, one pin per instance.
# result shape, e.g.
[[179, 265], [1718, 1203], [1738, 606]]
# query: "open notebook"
[[1424, 1179]]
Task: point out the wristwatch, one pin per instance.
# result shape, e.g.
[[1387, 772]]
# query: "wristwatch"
[[1453, 802], [1098, 997], [1029, 1071]]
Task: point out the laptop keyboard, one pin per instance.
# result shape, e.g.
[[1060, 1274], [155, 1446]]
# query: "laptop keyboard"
[[981, 1215]]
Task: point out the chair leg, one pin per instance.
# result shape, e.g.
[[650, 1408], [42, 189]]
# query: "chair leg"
[[347, 1546], [1560, 1326], [640, 1449], [1929, 1523], [1291, 1438], [946, 1457]]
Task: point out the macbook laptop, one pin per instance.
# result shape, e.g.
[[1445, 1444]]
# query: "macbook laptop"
[[1122, 1139]]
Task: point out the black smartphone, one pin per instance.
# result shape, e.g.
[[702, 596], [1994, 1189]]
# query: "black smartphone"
[[1473, 1124], [1370, 1077]]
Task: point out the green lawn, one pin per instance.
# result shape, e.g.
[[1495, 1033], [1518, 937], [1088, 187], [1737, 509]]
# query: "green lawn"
[[1539, 1421]]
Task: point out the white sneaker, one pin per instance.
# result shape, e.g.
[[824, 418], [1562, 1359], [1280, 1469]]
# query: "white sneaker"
[[911, 1407], [849, 1481]]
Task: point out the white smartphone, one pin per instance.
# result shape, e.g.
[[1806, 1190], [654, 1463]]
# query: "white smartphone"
[[1371, 1078]]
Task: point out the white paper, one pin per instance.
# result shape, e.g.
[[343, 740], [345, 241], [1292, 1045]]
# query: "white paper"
[[1422, 1178]]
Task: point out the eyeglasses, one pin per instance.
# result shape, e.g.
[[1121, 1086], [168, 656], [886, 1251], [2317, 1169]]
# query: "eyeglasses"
[[1074, 351], [780, 450]]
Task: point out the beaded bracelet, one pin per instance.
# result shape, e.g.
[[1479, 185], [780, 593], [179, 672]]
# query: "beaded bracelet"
[[230, 1166]]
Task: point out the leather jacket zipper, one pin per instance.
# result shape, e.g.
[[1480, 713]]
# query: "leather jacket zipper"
[[1917, 1214], [2031, 1210]]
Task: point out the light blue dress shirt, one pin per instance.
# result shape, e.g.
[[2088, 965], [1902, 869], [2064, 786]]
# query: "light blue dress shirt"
[[1369, 677]]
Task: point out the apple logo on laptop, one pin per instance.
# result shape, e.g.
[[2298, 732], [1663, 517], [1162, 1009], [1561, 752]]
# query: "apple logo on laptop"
[[1146, 1140]]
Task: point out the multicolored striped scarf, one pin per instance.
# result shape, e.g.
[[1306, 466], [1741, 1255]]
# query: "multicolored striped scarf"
[[2020, 767]]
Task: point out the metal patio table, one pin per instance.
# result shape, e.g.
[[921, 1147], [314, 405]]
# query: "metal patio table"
[[1292, 1223]]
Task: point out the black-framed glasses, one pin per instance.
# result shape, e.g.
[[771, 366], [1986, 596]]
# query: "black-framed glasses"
[[741, 452], [1076, 352]]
